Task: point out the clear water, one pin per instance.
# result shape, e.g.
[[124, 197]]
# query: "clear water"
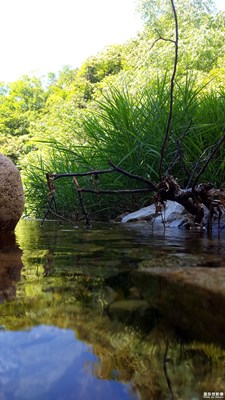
[[94, 314]]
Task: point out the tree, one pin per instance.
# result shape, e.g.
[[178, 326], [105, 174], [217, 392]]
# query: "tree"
[[20, 103], [108, 62], [201, 31]]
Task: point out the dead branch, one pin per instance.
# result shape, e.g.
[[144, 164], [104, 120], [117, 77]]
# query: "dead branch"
[[51, 196], [172, 82], [161, 38], [47, 211], [196, 167], [87, 221], [51, 177], [77, 174], [136, 177], [116, 191], [179, 150], [169, 189], [211, 156]]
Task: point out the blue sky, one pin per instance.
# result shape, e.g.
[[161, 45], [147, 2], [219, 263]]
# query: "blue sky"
[[41, 36]]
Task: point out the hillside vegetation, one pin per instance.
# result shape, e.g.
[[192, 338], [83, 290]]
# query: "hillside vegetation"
[[115, 106]]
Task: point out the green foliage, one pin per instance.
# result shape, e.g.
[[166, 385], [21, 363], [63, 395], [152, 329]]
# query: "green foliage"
[[201, 33], [21, 103], [109, 62]]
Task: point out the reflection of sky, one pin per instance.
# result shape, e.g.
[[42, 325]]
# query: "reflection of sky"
[[48, 363]]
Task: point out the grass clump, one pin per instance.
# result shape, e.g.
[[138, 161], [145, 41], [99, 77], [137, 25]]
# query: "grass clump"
[[128, 128]]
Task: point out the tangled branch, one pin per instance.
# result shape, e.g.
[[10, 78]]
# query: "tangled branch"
[[51, 177]]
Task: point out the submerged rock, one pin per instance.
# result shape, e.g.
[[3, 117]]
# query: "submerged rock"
[[190, 299], [12, 195]]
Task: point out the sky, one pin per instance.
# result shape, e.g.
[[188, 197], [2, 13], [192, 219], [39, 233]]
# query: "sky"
[[220, 4], [41, 36], [44, 35]]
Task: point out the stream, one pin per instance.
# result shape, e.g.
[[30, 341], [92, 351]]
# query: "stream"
[[115, 312]]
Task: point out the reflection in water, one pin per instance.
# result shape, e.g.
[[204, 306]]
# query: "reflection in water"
[[47, 352], [10, 266], [107, 316]]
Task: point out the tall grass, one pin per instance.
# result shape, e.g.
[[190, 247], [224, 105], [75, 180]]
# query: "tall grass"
[[129, 129]]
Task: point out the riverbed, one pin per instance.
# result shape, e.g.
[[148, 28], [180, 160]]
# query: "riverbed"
[[117, 311]]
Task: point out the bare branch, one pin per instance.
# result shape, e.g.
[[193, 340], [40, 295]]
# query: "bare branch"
[[118, 191], [51, 177], [87, 221], [196, 167], [60, 217], [161, 38], [172, 82], [48, 211], [179, 150], [136, 177], [94, 172], [211, 156]]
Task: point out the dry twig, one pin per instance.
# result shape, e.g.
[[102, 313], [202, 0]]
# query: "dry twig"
[[172, 83]]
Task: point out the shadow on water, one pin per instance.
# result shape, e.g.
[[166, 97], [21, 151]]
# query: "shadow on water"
[[117, 312]]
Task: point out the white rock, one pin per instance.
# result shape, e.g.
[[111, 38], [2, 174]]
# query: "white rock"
[[173, 211]]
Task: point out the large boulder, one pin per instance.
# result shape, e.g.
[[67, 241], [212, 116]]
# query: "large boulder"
[[11, 194]]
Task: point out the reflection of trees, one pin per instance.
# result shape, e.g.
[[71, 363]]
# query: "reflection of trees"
[[127, 356], [11, 265], [71, 285], [124, 352]]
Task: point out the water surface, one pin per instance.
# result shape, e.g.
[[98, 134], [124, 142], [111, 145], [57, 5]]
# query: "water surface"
[[94, 314]]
